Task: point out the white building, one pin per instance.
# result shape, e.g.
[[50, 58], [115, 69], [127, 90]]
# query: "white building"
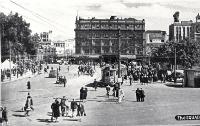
[[64, 48]]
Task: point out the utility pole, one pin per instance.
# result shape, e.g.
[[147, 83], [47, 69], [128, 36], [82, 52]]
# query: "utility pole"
[[175, 63], [10, 58], [119, 53]]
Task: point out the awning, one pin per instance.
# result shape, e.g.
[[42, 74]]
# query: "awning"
[[128, 56]]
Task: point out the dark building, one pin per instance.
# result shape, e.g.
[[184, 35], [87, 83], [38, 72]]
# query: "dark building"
[[100, 36]]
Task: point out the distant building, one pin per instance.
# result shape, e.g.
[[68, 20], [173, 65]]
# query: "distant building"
[[46, 38], [46, 51], [100, 36], [180, 30], [195, 31], [154, 38], [64, 48]]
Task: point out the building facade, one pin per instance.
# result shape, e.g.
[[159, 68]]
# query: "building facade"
[[153, 39], [195, 31], [100, 36], [46, 38], [64, 48], [180, 30]]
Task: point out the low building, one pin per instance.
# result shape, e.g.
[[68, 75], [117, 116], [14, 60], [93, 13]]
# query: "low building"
[[153, 39], [64, 48]]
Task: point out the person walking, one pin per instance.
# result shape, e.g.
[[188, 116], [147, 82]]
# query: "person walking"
[[142, 95], [108, 90], [28, 105], [64, 80], [5, 115], [55, 110], [63, 106], [131, 79], [95, 84], [138, 95], [28, 85], [73, 107]]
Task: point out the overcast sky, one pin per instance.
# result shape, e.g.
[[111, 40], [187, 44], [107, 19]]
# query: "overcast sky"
[[59, 15]]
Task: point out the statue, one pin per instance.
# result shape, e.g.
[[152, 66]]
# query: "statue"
[[176, 16]]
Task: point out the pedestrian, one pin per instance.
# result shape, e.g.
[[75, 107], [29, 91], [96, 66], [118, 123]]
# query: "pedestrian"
[[95, 84], [5, 115], [80, 110], [73, 107], [121, 95], [108, 90], [28, 105], [142, 95], [59, 68], [55, 110], [131, 79], [64, 80], [63, 106], [68, 68], [28, 85], [85, 93], [138, 95], [81, 94]]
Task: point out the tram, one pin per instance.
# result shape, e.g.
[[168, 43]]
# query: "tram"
[[110, 74]]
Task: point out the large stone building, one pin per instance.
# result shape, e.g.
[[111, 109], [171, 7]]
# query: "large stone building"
[[153, 39], [100, 36]]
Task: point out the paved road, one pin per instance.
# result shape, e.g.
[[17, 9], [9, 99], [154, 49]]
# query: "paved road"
[[162, 103]]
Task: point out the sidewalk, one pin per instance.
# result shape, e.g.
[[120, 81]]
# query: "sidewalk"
[[14, 78]]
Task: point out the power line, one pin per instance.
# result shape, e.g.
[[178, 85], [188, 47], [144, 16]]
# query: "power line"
[[39, 16]]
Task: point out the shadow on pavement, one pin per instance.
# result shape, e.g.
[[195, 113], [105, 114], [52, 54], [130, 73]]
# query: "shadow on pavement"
[[17, 115], [174, 85], [45, 120], [23, 91], [18, 111], [106, 100]]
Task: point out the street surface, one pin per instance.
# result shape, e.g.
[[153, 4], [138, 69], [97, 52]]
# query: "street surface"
[[162, 103]]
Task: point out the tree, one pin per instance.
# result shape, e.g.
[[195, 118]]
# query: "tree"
[[187, 53], [16, 35]]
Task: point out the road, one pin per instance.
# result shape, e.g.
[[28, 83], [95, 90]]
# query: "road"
[[162, 103]]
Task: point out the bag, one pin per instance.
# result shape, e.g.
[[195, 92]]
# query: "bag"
[[84, 114]]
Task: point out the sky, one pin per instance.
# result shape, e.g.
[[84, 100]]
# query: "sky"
[[60, 15]]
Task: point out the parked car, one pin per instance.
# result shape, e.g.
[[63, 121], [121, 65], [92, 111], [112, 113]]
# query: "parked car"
[[179, 76]]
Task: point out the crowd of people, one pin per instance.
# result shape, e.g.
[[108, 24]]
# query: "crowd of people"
[[85, 69], [146, 74], [66, 108], [21, 68]]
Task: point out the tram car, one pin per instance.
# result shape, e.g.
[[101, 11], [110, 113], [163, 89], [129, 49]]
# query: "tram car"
[[110, 74]]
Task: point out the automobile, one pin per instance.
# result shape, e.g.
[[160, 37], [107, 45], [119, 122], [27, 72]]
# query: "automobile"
[[59, 62], [179, 76]]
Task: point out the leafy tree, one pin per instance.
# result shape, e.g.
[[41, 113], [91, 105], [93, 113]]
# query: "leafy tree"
[[187, 53], [16, 35]]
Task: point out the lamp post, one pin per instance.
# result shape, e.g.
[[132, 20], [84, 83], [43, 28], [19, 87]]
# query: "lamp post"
[[175, 64]]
